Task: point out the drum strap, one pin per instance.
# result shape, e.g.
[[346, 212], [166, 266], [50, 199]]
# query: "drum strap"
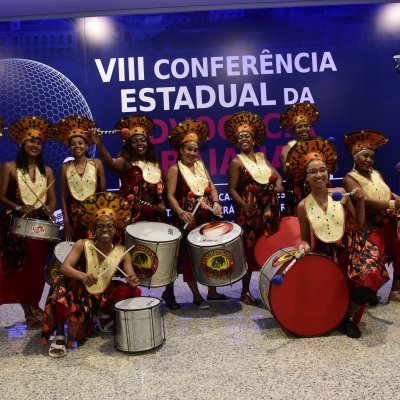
[[94, 267], [82, 186], [259, 170], [198, 181], [374, 187], [151, 171], [38, 187], [328, 226]]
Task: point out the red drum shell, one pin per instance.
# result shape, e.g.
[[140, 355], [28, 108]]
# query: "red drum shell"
[[313, 298], [287, 235]]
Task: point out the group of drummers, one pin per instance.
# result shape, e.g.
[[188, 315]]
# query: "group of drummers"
[[355, 226]]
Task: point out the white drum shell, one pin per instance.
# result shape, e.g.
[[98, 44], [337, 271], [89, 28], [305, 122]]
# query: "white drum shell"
[[231, 242], [163, 240], [35, 229], [138, 324], [60, 253]]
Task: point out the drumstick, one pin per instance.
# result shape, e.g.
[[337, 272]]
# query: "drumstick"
[[38, 198], [278, 279], [194, 211], [99, 251], [127, 251], [208, 207]]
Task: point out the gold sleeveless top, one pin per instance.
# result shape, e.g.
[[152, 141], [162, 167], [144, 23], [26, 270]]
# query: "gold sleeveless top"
[[26, 187], [94, 267], [259, 170], [375, 187], [327, 226], [197, 181], [151, 171], [82, 186]]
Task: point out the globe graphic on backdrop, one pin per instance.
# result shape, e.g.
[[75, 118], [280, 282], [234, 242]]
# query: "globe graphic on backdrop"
[[31, 88]]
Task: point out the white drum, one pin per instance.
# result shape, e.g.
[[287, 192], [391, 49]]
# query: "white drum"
[[155, 252], [60, 253], [35, 229], [139, 324], [217, 253]]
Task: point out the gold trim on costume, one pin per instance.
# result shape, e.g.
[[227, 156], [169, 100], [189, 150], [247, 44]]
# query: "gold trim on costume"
[[38, 187], [94, 267], [197, 181], [151, 171], [83, 186], [327, 226], [375, 187], [259, 170]]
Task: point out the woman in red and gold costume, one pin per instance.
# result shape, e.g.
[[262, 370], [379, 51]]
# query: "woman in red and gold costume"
[[382, 206], [142, 180], [187, 181], [297, 119], [81, 294], [253, 185], [81, 177], [26, 190], [336, 226]]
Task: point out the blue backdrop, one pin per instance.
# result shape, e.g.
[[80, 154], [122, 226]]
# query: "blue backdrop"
[[207, 65]]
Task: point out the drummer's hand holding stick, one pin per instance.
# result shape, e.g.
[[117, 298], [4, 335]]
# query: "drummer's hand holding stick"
[[278, 278], [186, 216]]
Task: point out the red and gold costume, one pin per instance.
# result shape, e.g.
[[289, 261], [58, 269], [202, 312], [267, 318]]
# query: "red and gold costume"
[[79, 186], [143, 184], [335, 232], [380, 224], [295, 114], [190, 187], [23, 259], [254, 186], [71, 300]]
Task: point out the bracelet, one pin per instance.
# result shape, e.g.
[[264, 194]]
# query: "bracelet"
[[392, 204]]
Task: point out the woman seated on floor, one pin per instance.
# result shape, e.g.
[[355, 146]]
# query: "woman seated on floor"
[[82, 293]]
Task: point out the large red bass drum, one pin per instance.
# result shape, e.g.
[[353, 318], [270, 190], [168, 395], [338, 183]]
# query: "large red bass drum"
[[313, 297]]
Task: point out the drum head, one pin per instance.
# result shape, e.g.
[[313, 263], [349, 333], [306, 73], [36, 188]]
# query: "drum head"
[[287, 235], [137, 303], [153, 231], [313, 298], [214, 233]]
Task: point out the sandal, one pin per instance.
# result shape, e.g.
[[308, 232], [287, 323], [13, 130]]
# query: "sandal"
[[57, 350], [248, 299], [32, 321], [104, 322]]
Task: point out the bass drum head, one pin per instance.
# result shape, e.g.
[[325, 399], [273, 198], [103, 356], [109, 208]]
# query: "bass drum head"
[[157, 232], [313, 298], [287, 235], [214, 233]]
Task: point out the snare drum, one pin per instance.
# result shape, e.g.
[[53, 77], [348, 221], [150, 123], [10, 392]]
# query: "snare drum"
[[217, 253], [139, 324], [35, 229], [313, 298], [155, 252], [52, 269], [287, 235]]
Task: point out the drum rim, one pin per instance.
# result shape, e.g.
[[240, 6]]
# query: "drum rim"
[[154, 241], [139, 309]]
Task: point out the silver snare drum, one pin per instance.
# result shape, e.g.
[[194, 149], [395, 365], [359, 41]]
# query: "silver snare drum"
[[217, 253], [35, 229], [155, 251], [52, 269], [139, 324]]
